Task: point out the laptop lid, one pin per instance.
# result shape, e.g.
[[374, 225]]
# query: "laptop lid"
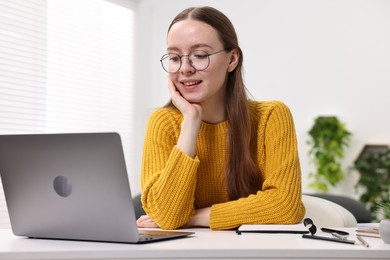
[[70, 186]]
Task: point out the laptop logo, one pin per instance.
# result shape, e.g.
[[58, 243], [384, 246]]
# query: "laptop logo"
[[62, 186]]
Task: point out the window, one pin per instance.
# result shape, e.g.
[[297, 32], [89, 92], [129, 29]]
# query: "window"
[[66, 66]]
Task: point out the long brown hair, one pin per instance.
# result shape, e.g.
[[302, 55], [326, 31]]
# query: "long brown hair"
[[242, 171]]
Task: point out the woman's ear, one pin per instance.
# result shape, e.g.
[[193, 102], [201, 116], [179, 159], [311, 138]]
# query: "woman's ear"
[[234, 58]]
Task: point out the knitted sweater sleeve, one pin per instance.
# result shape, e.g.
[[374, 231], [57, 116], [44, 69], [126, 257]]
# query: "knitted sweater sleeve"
[[279, 200], [168, 177]]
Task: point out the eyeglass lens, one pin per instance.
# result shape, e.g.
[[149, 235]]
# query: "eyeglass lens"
[[172, 62]]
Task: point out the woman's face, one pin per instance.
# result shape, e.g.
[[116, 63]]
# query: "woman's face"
[[206, 85]]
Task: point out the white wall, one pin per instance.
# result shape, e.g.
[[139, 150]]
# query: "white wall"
[[327, 57]]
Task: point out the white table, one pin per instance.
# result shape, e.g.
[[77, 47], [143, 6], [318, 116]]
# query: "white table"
[[205, 244]]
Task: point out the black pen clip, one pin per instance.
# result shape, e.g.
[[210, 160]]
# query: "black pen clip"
[[309, 223]]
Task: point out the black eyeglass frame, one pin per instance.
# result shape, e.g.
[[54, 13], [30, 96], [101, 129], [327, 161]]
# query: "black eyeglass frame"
[[184, 55]]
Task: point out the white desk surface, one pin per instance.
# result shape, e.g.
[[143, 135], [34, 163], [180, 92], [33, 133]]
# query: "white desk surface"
[[205, 244]]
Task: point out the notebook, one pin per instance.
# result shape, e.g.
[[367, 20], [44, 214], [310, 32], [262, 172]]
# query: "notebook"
[[71, 186], [273, 228]]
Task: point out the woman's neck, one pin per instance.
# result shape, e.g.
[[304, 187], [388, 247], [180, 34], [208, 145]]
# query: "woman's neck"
[[213, 113]]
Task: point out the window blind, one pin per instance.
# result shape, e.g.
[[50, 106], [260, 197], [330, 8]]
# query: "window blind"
[[66, 66]]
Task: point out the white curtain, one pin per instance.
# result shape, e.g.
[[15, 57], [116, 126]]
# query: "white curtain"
[[66, 66]]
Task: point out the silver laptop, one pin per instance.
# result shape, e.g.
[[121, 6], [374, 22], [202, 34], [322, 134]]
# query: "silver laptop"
[[71, 186]]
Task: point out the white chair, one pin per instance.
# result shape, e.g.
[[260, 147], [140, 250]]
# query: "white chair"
[[325, 213]]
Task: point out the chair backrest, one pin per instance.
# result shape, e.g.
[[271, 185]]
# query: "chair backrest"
[[357, 209], [139, 211], [325, 213]]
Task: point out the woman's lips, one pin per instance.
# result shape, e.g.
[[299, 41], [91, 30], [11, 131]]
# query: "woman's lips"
[[191, 84]]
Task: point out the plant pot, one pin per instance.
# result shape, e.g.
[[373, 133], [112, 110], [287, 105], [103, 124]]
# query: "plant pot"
[[384, 230]]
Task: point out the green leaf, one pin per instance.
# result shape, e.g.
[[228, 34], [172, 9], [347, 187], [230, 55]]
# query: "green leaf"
[[328, 139]]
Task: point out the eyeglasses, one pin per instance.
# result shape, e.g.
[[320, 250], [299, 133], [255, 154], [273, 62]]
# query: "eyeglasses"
[[199, 60]]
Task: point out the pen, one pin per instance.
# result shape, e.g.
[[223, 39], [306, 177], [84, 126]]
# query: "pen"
[[367, 235], [339, 232], [345, 241], [339, 236], [372, 230], [364, 242]]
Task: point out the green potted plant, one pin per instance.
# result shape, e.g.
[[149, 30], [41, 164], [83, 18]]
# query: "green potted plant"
[[374, 170], [328, 139], [384, 225]]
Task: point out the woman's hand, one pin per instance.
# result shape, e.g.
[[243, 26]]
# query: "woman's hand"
[[192, 114], [200, 219], [146, 222], [188, 109]]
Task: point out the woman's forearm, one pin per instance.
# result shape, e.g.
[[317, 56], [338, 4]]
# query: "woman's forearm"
[[188, 137]]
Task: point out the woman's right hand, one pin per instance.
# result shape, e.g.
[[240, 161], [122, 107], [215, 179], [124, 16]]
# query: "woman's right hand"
[[189, 110], [192, 113]]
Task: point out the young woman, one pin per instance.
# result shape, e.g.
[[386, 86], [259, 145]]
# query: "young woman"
[[212, 157]]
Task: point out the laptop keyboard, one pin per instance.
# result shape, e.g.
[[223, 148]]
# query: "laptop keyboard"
[[149, 233]]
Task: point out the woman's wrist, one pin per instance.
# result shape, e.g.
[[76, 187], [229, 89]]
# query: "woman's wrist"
[[200, 219]]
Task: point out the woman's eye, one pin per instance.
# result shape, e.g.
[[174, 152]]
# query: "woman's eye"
[[200, 56], [174, 59]]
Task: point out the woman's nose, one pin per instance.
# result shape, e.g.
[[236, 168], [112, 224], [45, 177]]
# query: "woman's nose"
[[186, 65]]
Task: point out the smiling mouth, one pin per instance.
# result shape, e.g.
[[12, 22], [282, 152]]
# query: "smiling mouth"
[[191, 83]]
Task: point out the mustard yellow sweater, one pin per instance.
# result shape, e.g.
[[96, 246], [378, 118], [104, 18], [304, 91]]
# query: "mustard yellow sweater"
[[174, 184]]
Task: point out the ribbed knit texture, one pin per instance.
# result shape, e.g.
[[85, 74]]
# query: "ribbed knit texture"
[[174, 184]]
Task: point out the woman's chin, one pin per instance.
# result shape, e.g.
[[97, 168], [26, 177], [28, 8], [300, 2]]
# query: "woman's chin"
[[192, 99]]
